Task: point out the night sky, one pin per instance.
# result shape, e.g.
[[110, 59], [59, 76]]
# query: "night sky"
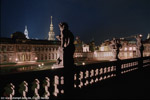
[[88, 19]]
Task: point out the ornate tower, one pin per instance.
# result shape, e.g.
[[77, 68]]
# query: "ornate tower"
[[51, 33], [26, 32]]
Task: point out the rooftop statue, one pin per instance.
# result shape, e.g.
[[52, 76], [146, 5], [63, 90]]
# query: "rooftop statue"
[[115, 47], [139, 46]]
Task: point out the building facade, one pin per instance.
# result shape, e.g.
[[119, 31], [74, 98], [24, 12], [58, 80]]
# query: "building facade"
[[22, 50], [146, 44]]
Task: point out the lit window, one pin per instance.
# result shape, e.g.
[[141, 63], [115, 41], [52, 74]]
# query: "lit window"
[[125, 54], [134, 48], [125, 49], [130, 48], [130, 54], [102, 48]]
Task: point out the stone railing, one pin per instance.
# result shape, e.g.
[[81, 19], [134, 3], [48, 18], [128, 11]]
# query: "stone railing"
[[50, 83], [33, 85]]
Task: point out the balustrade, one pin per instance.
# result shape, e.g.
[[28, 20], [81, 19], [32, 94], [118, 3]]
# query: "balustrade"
[[50, 83]]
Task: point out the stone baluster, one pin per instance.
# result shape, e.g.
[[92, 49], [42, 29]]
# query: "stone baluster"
[[9, 91], [62, 83], [56, 82], [35, 88], [23, 89], [46, 85]]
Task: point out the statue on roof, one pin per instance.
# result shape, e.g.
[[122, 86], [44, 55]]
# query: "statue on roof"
[[115, 47], [139, 46]]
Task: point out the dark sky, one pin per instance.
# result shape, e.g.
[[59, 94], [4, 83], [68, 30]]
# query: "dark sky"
[[88, 19]]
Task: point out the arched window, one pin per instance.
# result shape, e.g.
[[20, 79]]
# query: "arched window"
[[45, 56], [56, 55], [49, 56], [51, 49], [41, 56], [4, 57], [52, 56]]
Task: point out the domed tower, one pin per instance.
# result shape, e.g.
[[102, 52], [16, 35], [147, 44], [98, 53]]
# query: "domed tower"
[[18, 35], [26, 32], [51, 34]]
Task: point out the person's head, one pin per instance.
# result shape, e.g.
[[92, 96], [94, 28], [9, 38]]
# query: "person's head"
[[63, 25]]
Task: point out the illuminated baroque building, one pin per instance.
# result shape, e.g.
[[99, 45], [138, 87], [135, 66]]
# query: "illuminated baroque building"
[[20, 49], [78, 47], [51, 34], [85, 48], [104, 52], [128, 50]]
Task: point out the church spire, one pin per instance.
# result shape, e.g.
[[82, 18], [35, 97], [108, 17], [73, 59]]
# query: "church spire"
[[26, 32], [51, 33], [51, 21]]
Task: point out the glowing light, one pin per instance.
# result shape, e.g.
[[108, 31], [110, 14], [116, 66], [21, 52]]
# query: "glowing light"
[[16, 59], [53, 67], [39, 65], [140, 35], [35, 58], [83, 63], [42, 64]]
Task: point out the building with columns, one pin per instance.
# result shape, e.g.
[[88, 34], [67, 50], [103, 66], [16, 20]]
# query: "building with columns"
[[21, 49], [51, 33]]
